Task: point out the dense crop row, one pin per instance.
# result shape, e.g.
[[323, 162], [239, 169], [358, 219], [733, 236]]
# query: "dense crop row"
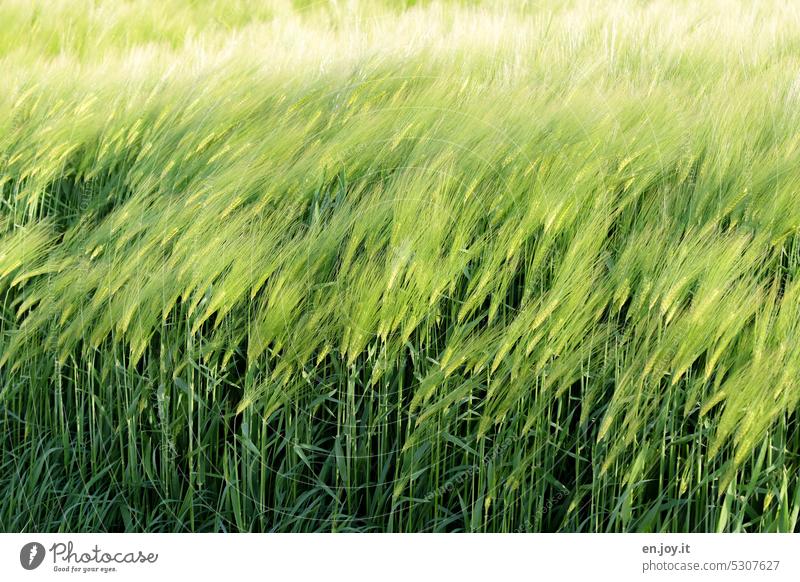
[[329, 267]]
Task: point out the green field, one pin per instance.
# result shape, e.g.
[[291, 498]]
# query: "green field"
[[399, 266]]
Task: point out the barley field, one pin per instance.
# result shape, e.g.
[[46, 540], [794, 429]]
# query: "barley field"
[[385, 266]]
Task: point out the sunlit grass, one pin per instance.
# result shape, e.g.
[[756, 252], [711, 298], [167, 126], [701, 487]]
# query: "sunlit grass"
[[366, 266]]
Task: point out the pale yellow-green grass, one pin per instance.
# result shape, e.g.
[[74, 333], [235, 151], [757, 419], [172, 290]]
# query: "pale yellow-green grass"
[[386, 266]]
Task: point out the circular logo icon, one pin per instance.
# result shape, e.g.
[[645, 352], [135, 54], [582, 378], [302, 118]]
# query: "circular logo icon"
[[31, 555]]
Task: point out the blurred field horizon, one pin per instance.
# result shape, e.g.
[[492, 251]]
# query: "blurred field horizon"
[[383, 266]]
